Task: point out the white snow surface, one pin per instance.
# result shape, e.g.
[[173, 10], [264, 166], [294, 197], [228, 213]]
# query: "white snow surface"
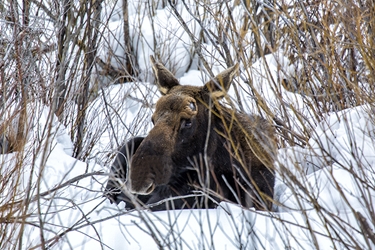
[[94, 222], [78, 217]]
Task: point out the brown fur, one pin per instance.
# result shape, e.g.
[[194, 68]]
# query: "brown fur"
[[196, 144]]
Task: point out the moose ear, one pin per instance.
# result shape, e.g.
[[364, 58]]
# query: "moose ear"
[[164, 79], [219, 85]]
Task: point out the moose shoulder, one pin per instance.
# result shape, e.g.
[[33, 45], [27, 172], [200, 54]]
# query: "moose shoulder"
[[198, 152]]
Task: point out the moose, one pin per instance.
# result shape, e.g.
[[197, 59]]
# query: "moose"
[[198, 153]]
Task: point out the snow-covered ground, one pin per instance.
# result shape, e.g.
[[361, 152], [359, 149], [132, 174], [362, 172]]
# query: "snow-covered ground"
[[323, 191], [88, 221]]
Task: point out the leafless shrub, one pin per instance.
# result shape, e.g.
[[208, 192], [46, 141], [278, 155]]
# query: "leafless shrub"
[[61, 55]]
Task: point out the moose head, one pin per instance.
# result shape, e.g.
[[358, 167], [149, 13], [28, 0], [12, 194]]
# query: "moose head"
[[181, 122]]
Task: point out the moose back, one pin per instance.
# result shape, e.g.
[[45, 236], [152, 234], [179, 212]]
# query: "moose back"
[[198, 153]]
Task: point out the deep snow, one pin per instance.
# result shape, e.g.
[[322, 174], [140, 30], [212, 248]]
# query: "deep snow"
[[341, 144], [347, 136]]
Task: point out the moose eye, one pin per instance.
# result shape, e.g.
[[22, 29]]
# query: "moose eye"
[[186, 123], [192, 106]]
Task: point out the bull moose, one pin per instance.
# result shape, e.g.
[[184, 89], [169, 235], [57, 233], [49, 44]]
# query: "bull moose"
[[198, 153]]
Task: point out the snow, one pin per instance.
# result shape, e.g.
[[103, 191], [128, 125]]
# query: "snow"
[[347, 137], [119, 112], [330, 179], [172, 44]]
